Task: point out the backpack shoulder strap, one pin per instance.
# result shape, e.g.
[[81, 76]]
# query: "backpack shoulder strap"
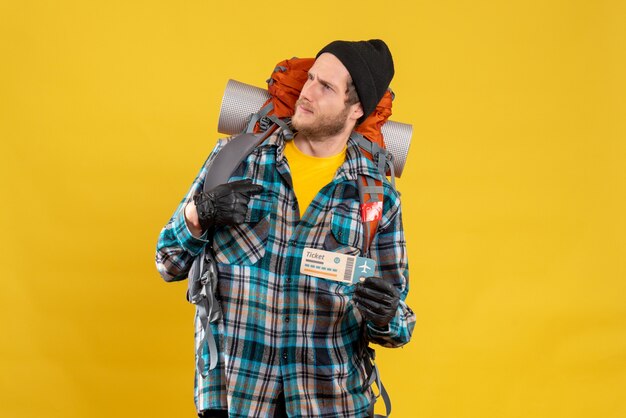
[[371, 195], [229, 158], [371, 198], [202, 277], [374, 377], [371, 191]]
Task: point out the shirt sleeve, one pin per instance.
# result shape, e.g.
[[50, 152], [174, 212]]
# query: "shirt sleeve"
[[389, 248], [176, 246]]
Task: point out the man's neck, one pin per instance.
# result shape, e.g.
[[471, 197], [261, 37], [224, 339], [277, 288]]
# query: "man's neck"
[[321, 147]]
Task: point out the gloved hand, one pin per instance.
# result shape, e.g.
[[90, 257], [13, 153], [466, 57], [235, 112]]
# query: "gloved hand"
[[377, 299], [225, 204]]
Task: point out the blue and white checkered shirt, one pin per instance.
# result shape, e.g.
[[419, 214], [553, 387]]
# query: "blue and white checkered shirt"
[[283, 331]]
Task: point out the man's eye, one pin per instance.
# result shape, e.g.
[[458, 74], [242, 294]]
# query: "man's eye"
[[327, 87]]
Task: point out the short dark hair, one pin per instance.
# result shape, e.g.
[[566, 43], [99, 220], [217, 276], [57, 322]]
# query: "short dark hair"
[[352, 97]]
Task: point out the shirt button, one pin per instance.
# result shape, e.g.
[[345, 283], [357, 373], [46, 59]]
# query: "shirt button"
[[294, 206], [284, 356], [288, 279], [286, 319]]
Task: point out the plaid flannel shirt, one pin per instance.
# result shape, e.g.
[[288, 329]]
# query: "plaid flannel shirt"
[[282, 330]]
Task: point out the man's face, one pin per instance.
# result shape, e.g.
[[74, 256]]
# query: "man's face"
[[321, 111]]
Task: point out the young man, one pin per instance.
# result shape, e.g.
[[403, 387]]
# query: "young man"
[[291, 344]]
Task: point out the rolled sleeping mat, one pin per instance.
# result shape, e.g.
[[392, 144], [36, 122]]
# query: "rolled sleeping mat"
[[242, 100]]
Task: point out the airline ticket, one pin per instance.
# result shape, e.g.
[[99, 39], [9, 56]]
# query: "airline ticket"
[[338, 267]]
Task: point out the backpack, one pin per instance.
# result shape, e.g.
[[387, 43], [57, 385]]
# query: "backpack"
[[284, 87]]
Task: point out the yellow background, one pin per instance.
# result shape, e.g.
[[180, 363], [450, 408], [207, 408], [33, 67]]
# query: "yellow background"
[[514, 196]]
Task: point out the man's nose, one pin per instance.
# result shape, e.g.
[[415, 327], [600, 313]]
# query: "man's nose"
[[307, 90]]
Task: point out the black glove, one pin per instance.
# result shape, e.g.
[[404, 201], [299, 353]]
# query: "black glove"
[[377, 299], [226, 204]]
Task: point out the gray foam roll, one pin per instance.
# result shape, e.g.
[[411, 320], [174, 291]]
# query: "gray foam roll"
[[397, 138], [241, 100]]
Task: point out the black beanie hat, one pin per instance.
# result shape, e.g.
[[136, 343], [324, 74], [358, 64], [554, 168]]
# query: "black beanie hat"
[[370, 65]]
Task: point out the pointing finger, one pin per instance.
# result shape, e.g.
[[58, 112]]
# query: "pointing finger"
[[246, 187]]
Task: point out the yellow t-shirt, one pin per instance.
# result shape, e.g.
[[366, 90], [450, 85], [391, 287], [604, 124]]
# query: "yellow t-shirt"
[[310, 174]]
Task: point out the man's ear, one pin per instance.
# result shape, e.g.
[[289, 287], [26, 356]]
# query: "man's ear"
[[357, 111]]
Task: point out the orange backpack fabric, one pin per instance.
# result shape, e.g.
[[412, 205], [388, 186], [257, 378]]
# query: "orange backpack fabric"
[[285, 84]]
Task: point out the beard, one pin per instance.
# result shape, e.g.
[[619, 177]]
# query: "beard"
[[322, 126]]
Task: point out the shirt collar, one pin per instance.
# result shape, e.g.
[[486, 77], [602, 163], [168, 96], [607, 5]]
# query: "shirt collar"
[[355, 164]]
